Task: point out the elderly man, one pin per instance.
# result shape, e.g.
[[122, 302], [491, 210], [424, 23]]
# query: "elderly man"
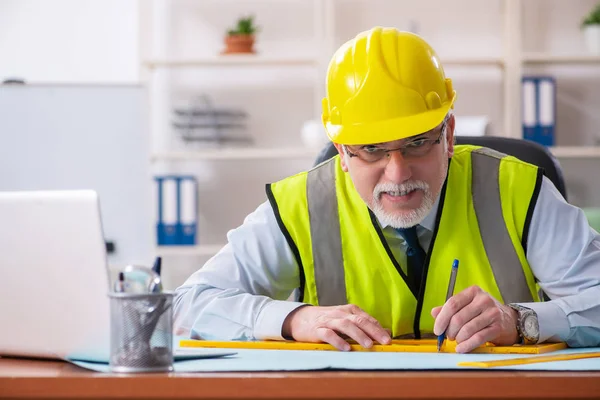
[[366, 240]]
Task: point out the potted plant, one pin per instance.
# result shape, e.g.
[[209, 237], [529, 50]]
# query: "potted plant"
[[591, 30], [240, 39]]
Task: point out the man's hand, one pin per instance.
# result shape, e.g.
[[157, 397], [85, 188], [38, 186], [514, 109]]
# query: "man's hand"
[[330, 324], [473, 317]]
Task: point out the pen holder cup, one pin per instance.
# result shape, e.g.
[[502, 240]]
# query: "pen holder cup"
[[141, 332]]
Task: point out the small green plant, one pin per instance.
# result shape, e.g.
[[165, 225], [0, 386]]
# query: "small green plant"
[[593, 18], [245, 26]]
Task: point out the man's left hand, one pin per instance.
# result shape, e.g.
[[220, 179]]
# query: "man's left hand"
[[473, 317]]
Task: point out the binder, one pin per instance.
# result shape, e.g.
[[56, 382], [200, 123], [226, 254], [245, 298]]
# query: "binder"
[[529, 113], [188, 205], [546, 110], [167, 211], [539, 109]]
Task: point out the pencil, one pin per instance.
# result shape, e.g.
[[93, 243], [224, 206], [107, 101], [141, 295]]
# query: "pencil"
[[527, 360], [442, 337]]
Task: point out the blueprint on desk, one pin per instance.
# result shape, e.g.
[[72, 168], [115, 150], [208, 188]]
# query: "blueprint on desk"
[[306, 360]]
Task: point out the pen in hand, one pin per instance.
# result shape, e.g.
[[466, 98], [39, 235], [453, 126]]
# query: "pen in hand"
[[442, 337]]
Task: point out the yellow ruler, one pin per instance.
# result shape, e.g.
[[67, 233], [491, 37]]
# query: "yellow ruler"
[[397, 346], [527, 360]]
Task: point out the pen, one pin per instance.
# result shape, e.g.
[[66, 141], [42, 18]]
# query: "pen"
[[442, 337], [120, 283], [156, 282], [157, 265]]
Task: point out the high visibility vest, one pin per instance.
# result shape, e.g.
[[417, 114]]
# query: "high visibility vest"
[[482, 220]]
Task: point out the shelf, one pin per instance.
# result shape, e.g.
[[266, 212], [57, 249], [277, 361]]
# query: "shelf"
[[473, 61], [202, 250], [242, 60], [547, 58], [238, 154], [281, 153], [234, 59], [576, 151]]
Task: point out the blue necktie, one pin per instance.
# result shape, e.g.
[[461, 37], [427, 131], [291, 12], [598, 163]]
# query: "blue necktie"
[[415, 257]]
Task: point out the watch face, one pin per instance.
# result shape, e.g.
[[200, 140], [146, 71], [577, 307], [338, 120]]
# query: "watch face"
[[530, 326]]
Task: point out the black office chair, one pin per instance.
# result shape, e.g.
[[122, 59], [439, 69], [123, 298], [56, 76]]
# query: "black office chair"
[[525, 150]]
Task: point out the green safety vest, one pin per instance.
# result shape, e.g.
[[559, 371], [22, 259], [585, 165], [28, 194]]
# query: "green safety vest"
[[483, 218]]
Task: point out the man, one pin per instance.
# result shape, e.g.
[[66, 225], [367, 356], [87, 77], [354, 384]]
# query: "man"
[[367, 239]]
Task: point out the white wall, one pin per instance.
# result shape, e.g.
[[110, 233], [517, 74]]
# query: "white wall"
[[69, 41]]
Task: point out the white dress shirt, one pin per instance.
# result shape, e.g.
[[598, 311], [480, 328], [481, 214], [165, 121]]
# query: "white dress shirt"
[[246, 290]]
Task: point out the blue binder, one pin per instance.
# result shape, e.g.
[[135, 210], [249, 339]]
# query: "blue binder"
[[546, 110], [188, 206], [529, 104], [539, 109], [167, 232]]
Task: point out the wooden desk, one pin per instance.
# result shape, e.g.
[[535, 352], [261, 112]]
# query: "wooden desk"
[[29, 379]]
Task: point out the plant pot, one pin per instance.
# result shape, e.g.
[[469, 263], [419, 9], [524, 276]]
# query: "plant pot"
[[235, 44], [591, 34]]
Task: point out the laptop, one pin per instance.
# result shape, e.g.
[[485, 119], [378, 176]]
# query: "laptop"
[[55, 279]]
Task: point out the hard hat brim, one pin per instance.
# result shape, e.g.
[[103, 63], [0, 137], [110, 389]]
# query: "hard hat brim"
[[388, 130]]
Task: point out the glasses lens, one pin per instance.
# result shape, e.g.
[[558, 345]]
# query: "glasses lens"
[[372, 154], [418, 149]]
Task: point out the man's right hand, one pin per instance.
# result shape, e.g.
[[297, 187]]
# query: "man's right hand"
[[329, 324]]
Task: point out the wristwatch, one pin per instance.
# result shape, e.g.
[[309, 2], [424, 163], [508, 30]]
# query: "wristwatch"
[[528, 326]]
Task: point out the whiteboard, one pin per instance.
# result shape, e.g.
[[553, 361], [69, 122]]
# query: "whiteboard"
[[84, 137]]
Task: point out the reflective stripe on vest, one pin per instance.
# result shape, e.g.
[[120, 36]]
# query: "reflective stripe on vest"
[[485, 190], [325, 235], [503, 258]]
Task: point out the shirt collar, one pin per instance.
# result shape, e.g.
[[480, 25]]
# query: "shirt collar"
[[429, 221]]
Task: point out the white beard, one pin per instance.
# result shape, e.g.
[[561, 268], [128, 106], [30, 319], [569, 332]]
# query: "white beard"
[[404, 218], [407, 218]]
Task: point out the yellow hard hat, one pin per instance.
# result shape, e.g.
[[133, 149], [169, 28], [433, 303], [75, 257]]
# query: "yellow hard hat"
[[385, 85]]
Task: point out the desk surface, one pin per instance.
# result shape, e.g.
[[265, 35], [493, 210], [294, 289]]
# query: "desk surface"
[[33, 379]]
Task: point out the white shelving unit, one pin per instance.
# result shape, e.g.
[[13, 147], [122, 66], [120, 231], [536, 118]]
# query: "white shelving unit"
[[512, 63], [157, 12], [160, 64]]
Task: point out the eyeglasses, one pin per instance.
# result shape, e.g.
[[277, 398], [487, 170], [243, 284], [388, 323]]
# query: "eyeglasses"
[[414, 149]]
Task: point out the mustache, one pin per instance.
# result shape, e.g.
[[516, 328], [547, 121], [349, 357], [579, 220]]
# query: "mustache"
[[402, 187]]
